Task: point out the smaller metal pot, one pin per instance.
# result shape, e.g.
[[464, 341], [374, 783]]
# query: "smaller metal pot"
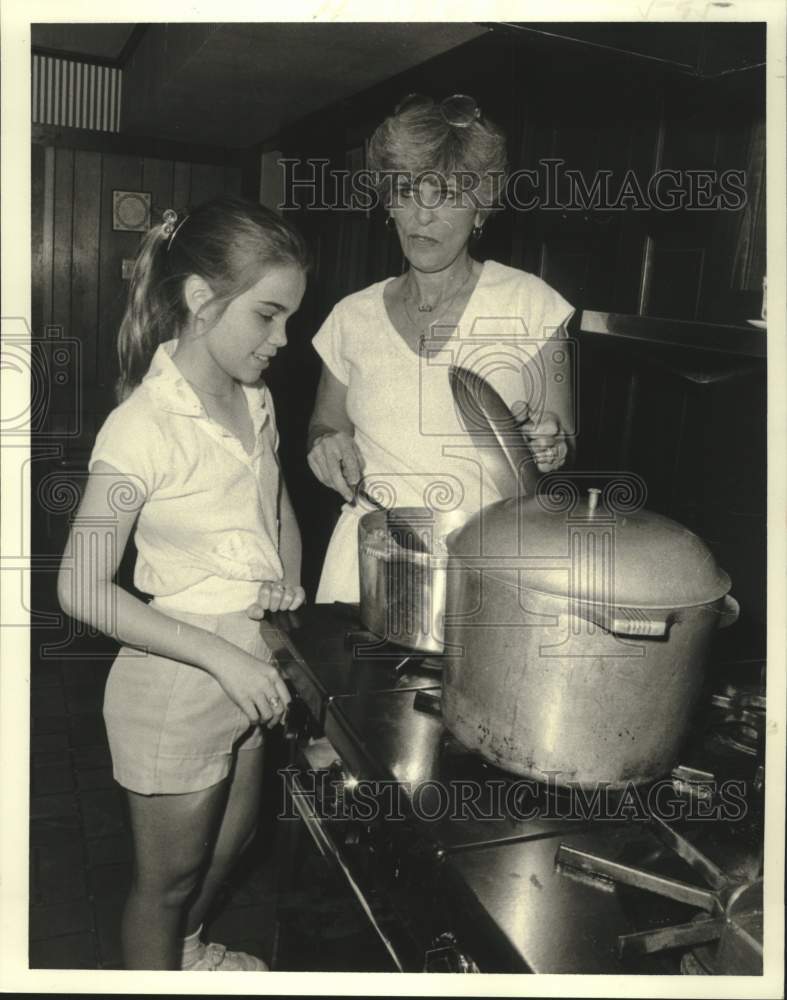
[[402, 554], [403, 559]]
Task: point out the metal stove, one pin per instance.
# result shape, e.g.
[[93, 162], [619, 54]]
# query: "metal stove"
[[449, 864]]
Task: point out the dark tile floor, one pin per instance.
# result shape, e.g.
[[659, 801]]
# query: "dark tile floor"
[[80, 848]]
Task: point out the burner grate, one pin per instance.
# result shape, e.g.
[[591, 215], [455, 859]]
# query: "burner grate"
[[732, 909]]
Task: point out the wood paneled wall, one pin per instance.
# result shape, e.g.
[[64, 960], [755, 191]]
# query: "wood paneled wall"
[[596, 110], [78, 286], [692, 425], [78, 299]]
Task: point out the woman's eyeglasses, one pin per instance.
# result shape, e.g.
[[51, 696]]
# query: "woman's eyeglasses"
[[459, 110]]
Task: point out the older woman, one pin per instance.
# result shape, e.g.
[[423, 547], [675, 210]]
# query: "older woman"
[[384, 408]]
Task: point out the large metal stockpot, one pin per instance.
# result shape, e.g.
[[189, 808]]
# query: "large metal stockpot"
[[576, 639]]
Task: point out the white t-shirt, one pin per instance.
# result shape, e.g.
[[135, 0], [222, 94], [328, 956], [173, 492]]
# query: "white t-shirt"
[[207, 533], [416, 451]]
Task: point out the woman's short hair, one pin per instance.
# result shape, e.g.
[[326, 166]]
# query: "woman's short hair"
[[419, 140]]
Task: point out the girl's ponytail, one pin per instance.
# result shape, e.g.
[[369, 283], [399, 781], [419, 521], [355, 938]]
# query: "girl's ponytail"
[[148, 316]]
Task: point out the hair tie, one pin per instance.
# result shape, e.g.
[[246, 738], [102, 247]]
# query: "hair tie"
[[169, 229]]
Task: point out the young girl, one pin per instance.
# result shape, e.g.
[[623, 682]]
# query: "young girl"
[[190, 455]]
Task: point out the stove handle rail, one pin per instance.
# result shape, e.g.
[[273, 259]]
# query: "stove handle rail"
[[378, 912]]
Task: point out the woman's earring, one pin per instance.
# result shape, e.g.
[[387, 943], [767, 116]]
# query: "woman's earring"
[[389, 222], [477, 231]]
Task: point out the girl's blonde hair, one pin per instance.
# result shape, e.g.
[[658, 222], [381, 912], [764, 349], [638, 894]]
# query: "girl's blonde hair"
[[228, 242]]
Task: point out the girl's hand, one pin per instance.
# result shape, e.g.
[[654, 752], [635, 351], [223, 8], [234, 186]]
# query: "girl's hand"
[[544, 436], [276, 595], [336, 461], [254, 685]]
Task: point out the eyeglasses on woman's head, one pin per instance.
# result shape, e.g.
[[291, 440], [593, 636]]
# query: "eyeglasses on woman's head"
[[459, 110]]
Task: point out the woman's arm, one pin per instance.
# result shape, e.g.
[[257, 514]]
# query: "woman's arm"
[[87, 591], [333, 456], [330, 408]]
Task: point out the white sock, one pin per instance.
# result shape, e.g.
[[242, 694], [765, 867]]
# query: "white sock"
[[192, 949]]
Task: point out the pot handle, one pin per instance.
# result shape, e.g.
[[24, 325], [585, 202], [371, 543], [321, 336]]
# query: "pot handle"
[[653, 623], [729, 612]]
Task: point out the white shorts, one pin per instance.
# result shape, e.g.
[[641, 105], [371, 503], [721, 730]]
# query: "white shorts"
[[171, 727]]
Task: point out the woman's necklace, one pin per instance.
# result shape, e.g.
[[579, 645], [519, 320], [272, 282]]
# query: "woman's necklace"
[[429, 309]]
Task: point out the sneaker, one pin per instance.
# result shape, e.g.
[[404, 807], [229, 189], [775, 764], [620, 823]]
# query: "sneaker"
[[216, 958]]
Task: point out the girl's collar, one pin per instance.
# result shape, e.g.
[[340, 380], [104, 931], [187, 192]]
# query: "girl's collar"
[[173, 392]]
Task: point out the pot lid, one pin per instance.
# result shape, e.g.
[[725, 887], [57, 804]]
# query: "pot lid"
[[500, 445], [636, 559]]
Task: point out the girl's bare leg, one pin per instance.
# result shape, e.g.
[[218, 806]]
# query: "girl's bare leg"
[[173, 837], [238, 825]]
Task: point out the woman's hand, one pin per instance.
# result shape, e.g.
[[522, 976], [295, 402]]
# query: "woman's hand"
[[544, 435], [336, 461], [254, 685], [276, 595]]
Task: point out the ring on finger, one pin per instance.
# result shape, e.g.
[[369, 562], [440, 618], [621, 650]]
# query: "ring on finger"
[[275, 700]]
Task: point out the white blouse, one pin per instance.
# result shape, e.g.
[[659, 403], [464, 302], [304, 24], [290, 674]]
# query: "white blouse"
[[415, 449], [207, 533]]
